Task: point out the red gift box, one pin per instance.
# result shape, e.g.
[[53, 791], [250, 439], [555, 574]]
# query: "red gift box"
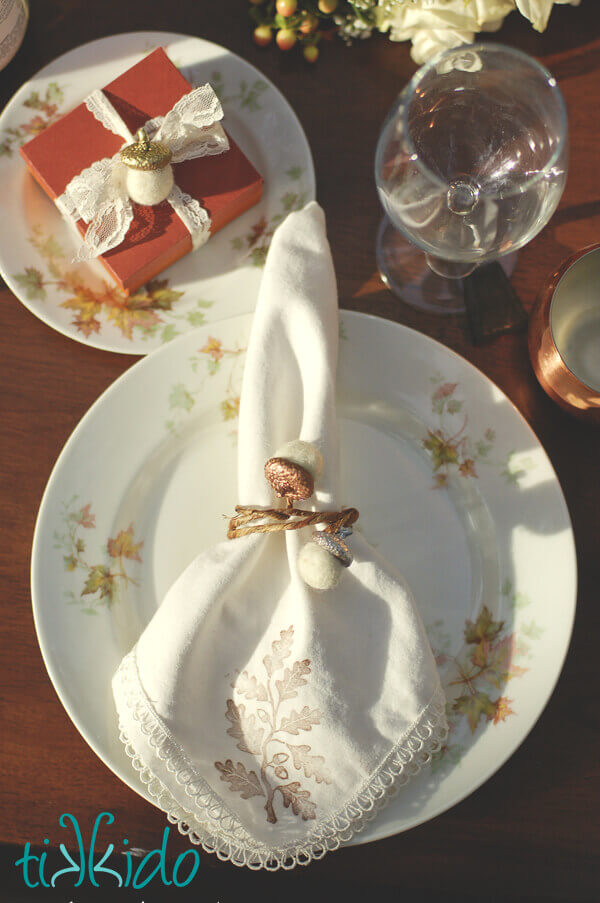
[[225, 185]]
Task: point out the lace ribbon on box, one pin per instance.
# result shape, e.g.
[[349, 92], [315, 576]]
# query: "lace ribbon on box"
[[98, 195]]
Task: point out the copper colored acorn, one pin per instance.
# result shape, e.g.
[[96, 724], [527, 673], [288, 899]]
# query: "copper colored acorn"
[[289, 480]]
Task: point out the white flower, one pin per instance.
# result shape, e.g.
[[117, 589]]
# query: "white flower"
[[538, 11], [434, 25]]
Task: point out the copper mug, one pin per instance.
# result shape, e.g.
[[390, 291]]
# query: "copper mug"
[[564, 334]]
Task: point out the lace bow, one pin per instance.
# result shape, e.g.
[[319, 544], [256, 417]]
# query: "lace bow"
[[98, 195]]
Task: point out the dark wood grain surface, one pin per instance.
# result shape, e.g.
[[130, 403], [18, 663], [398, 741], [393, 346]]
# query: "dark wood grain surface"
[[532, 831]]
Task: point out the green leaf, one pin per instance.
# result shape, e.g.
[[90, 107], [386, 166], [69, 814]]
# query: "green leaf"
[[32, 282], [294, 172], [454, 406], [475, 706], [54, 93], [258, 257], [161, 296], [289, 201], [99, 579], [181, 398], [196, 318], [484, 628], [168, 333], [70, 562], [51, 248], [533, 630], [33, 101], [442, 451]]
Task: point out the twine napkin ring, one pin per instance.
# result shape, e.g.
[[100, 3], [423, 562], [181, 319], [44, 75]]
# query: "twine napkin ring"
[[292, 473]]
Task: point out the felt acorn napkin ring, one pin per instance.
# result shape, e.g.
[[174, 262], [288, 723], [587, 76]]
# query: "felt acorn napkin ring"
[[292, 474]]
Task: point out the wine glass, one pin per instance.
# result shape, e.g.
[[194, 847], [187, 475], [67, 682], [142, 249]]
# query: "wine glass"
[[470, 165]]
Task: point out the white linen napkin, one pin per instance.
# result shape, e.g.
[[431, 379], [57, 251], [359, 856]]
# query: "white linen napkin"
[[269, 720]]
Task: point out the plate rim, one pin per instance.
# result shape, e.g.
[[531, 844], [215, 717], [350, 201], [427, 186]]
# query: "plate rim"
[[7, 277], [542, 699]]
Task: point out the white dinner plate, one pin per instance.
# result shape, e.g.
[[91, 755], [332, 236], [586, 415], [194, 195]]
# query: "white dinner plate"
[[451, 484], [218, 281]]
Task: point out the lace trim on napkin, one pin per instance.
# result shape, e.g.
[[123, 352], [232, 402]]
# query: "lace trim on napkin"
[[220, 831]]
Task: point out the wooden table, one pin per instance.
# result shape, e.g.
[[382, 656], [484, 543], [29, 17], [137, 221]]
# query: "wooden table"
[[532, 831]]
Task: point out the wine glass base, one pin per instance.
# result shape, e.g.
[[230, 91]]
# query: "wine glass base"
[[404, 269]]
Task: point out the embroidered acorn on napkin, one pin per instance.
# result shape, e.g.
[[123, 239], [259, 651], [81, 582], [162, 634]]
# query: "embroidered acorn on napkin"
[[269, 719]]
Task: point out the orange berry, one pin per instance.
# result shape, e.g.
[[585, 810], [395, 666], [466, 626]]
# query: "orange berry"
[[286, 38], [308, 24], [328, 6], [286, 8], [262, 35], [311, 52]]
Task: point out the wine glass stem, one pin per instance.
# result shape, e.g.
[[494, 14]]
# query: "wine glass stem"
[[449, 269]]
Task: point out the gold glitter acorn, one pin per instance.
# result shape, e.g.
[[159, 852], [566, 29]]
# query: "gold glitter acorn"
[[289, 480], [149, 171]]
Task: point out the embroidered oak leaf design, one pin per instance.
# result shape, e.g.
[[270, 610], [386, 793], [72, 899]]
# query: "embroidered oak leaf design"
[[300, 721], [312, 766], [281, 649], [299, 800], [292, 679], [244, 729], [246, 783], [257, 733], [249, 687]]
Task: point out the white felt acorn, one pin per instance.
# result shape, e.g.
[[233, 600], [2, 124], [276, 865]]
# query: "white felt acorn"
[[305, 454], [322, 559], [292, 473], [149, 177]]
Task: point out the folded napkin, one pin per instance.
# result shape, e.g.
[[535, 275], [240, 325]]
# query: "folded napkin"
[[269, 720]]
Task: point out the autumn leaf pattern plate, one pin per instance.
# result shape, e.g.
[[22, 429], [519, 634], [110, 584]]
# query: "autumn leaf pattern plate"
[[218, 281], [452, 486]]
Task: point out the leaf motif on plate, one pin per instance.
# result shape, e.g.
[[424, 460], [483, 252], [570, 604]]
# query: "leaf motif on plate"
[[102, 579], [149, 311], [453, 450], [123, 546], [32, 283], [99, 580], [483, 628], [475, 706]]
